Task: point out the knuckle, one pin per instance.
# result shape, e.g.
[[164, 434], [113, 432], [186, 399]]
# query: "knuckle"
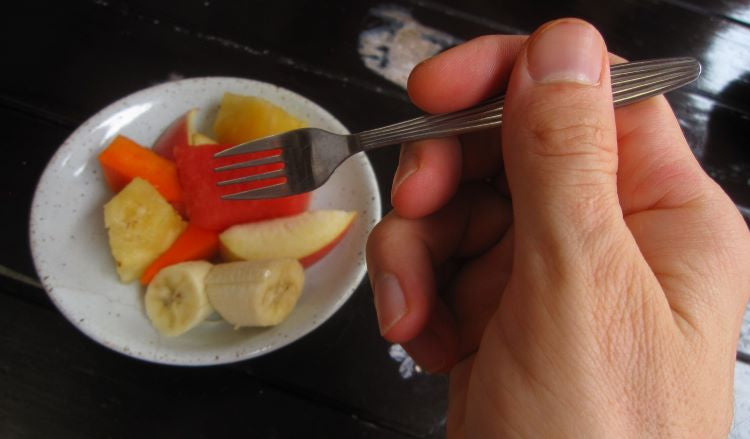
[[570, 129], [388, 236], [378, 235]]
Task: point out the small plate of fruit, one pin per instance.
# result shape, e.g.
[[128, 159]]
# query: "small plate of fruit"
[[137, 248]]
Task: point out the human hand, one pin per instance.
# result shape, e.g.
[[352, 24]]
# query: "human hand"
[[606, 300]]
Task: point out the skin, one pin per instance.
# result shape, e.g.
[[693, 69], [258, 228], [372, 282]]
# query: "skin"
[[604, 300]]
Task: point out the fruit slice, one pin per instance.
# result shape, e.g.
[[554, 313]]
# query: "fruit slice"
[[307, 237], [178, 133], [242, 118], [203, 202], [255, 293], [176, 299], [193, 244], [199, 139], [141, 225], [124, 160]]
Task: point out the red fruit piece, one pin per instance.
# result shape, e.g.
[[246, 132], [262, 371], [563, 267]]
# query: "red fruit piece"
[[202, 196], [180, 132]]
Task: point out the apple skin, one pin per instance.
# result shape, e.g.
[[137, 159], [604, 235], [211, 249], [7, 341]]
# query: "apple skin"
[[180, 132], [318, 255], [307, 237]]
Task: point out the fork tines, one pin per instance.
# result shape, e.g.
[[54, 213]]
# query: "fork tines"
[[264, 145]]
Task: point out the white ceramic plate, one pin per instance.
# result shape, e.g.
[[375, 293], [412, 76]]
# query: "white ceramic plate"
[[69, 241]]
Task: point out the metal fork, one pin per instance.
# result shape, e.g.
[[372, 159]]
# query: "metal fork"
[[310, 155]]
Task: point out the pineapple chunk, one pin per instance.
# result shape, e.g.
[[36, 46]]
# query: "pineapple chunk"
[[141, 226], [243, 118]]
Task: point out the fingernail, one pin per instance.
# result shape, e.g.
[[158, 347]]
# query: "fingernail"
[[408, 163], [390, 304], [427, 351], [567, 51]]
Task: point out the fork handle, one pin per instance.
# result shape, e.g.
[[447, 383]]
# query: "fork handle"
[[631, 82]]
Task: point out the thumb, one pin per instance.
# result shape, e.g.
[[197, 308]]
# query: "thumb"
[[559, 138]]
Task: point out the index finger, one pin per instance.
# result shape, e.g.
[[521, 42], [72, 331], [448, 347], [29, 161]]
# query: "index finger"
[[455, 79], [466, 74]]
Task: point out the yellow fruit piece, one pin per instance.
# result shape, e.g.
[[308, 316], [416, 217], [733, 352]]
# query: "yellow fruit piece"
[[141, 225], [244, 118], [198, 139]]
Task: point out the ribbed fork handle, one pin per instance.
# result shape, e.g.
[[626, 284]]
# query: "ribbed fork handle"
[[486, 115], [631, 82]]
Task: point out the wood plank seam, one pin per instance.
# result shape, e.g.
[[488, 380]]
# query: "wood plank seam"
[[52, 117], [275, 57], [704, 11], [471, 18], [332, 404]]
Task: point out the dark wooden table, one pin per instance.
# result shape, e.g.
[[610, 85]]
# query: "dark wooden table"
[[66, 60]]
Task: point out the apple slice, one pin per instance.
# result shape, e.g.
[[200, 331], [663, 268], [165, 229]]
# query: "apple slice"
[[180, 132], [307, 237]]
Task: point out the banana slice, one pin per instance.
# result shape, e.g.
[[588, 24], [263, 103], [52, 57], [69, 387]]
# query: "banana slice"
[[255, 293], [176, 298]]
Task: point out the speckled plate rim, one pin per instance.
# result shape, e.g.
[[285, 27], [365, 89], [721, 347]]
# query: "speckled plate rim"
[[358, 165]]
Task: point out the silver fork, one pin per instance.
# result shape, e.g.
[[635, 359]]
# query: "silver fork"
[[310, 155]]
